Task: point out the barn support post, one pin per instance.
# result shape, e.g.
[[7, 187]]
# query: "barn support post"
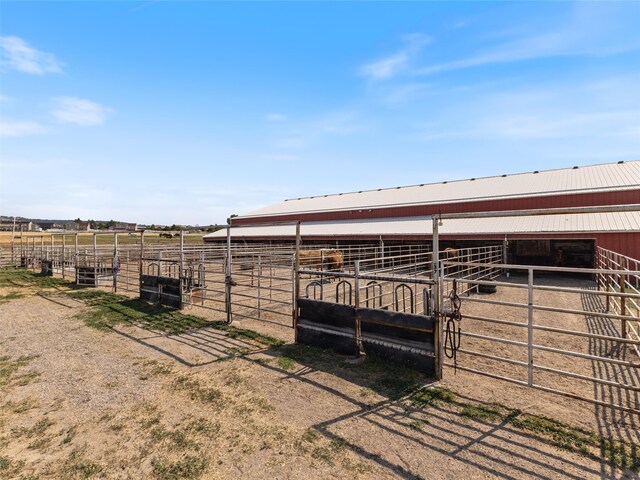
[[381, 252], [296, 283], [435, 274], [623, 302]]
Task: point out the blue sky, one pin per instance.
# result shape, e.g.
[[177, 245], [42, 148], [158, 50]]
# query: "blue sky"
[[186, 112]]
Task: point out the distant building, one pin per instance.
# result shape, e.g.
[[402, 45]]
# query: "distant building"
[[124, 227], [20, 227]]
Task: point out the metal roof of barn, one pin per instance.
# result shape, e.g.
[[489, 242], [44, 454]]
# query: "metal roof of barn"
[[420, 226], [585, 179]]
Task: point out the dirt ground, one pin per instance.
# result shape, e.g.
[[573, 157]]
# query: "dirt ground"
[[133, 402]]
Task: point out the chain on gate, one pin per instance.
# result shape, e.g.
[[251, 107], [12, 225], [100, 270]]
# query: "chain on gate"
[[453, 328]]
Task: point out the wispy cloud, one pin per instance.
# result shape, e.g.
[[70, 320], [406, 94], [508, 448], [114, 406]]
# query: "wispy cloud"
[[275, 117], [78, 111], [19, 55], [591, 29], [281, 157], [391, 65], [20, 128]]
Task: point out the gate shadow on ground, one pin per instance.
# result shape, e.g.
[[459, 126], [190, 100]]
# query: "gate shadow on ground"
[[196, 341], [612, 424], [496, 449]]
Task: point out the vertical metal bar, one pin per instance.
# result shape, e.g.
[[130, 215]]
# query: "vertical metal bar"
[[181, 277], [608, 283], [63, 256], [75, 252], [358, 320], [530, 328], [115, 263], [228, 277], [435, 267], [141, 251], [623, 300], [296, 283], [259, 284]]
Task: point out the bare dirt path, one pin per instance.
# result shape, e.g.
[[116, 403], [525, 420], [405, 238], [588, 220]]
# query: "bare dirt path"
[[127, 402]]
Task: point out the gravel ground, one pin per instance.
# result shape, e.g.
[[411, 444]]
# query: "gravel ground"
[[130, 403]]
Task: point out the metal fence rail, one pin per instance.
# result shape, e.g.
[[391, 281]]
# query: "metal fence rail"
[[552, 329]]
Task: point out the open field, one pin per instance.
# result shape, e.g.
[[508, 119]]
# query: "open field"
[[98, 385], [86, 238]]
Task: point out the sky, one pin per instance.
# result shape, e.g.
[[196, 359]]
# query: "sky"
[[188, 112]]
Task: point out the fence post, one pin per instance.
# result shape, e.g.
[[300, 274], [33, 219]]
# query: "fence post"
[[296, 284], [141, 252], [95, 260], [115, 264], [358, 320], [435, 273], [63, 255], [623, 300], [530, 328], [608, 284], [228, 277], [181, 278], [259, 284]]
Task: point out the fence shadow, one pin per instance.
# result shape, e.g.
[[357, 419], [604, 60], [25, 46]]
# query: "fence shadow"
[[406, 432], [612, 424]]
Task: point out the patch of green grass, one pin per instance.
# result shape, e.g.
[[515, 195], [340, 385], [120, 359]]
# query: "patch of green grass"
[[9, 367], [23, 279], [109, 310], [428, 396], [76, 466], [489, 413], [188, 468], [618, 454], [10, 296], [418, 424], [286, 363], [197, 391], [21, 406], [70, 434], [9, 468], [328, 453]]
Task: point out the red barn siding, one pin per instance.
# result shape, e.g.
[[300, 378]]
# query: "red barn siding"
[[527, 203]]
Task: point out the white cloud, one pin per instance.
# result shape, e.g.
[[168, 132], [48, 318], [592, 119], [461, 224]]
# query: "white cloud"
[[17, 54], [20, 128], [391, 65], [81, 112], [275, 117]]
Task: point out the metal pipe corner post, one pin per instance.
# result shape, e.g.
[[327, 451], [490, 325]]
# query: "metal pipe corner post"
[[435, 276], [227, 282], [141, 251], [75, 253], [95, 259], [358, 320], [115, 262], [181, 274], [530, 327], [296, 284], [64, 263]]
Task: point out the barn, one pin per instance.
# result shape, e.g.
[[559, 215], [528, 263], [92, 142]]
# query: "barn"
[[401, 215]]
